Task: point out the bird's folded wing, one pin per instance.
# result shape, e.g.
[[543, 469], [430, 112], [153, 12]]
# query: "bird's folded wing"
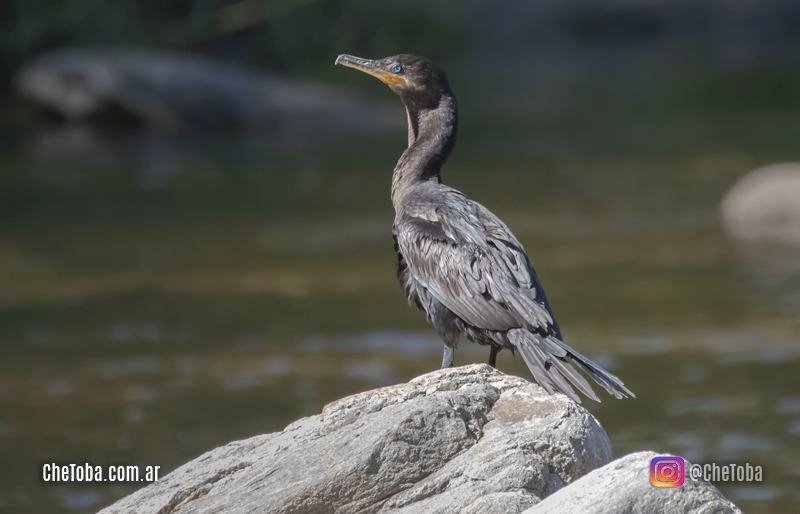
[[471, 263]]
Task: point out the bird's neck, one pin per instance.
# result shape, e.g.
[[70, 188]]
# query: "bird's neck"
[[431, 136]]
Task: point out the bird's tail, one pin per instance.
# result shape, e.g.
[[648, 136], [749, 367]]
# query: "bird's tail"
[[550, 360]]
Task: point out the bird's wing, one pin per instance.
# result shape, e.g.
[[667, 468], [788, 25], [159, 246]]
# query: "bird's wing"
[[468, 260], [471, 263]]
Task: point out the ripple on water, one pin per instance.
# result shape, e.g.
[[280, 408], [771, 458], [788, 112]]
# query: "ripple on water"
[[188, 365], [692, 446], [375, 372], [702, 405], [646, 344], [277, 365], [793, 428], [411, 343], [755, 493], [59, 387], [239, 379], [130, 332], [79, 500], [140, 393], [734, 445], [135, 415], [129, 366], [40, 336], [788, 405], [693, 373]]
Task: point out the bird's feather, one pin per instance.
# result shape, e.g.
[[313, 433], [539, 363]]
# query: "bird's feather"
[[458, 254], [471, 263]]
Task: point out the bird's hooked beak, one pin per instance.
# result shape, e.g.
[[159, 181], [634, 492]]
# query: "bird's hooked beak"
[[370, 67]]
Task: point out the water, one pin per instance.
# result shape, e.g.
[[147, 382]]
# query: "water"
[[159, 300]]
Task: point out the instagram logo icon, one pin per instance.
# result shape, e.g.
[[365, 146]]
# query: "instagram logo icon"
[[667, 471]]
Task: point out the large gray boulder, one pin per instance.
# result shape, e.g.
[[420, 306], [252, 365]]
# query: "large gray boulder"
[[624, 486], [764, 205], [176, 91], [468, 439]]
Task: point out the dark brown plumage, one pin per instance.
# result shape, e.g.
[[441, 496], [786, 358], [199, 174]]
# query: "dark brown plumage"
[[457, 261]]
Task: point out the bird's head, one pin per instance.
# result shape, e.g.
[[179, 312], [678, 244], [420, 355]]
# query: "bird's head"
[[416, 79]]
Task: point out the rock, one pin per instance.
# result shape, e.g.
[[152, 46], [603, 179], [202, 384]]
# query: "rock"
[[764, 205], [137, 88], [624, 486], [468, 439]]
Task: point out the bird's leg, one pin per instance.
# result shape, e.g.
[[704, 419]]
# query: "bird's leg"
[[493, 356], [447, 357]]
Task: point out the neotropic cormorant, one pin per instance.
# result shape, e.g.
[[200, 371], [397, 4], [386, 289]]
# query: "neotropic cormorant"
[[457, 261]]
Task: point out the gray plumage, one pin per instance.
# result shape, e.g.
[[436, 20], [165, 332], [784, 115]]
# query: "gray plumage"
[[456, 260]]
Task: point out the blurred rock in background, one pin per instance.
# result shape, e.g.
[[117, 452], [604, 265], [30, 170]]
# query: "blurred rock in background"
[[129, 88], [764, 205]]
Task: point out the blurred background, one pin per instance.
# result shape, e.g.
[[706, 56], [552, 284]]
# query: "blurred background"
[[195, 226]]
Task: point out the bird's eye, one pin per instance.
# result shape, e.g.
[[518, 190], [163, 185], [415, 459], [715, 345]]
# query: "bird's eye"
[[397, 68]]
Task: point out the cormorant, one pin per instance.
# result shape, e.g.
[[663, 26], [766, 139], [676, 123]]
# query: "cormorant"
[[456, 260]]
